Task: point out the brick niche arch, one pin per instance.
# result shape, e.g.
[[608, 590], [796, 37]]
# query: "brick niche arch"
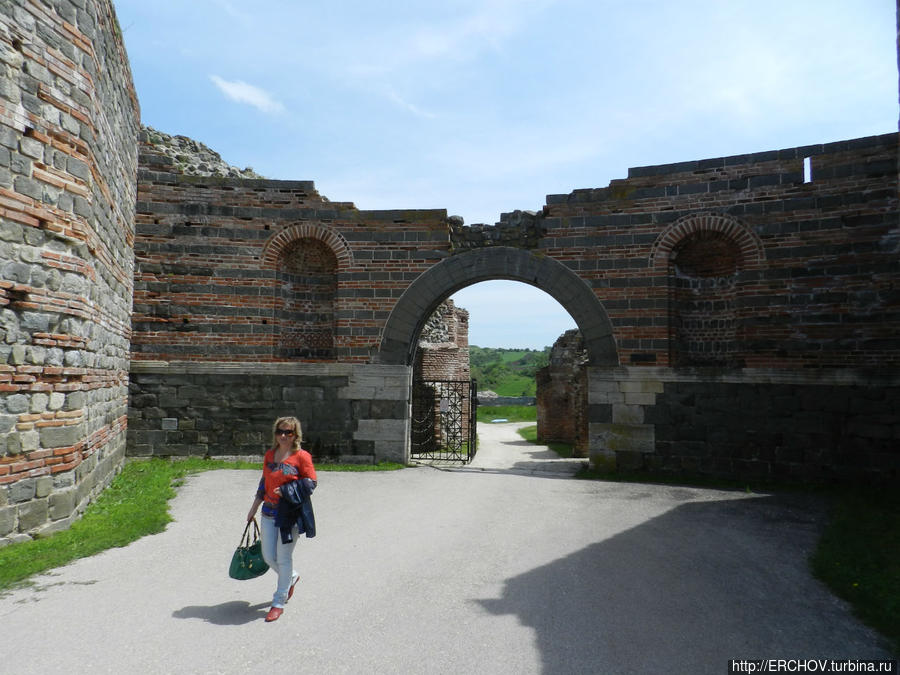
[[279, 241], [703, 255], [423, 296], [749, 244]]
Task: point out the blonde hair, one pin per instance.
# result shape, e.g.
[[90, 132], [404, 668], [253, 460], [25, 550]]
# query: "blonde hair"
[[295, 424]]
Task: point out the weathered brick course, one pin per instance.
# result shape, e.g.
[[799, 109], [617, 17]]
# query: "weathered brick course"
[[68, 118]]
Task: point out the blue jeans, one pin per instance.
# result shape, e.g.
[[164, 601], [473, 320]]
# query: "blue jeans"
[[279, 557]]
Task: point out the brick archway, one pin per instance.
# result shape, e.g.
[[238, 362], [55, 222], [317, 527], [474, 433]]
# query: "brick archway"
[[277, 243], [747, 241], [464, 269]]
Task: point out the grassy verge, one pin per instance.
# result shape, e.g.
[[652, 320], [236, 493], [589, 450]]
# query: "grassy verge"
[[511, 413], [134, 505], [857, 556], [530, 435]]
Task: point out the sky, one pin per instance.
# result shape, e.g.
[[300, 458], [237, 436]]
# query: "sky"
[[482, 107]]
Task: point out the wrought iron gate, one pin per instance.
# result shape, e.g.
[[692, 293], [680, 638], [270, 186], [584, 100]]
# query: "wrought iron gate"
[[443, 421]]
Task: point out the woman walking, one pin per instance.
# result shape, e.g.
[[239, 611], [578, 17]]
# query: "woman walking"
[[283, 517]]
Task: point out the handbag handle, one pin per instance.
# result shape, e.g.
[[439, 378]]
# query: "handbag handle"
[[245, 538]]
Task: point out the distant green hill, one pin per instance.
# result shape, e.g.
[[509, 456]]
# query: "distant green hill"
[[508, 372]]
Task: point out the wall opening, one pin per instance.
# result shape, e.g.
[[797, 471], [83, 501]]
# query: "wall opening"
[[527, 350], [304, 301], [703, 300]]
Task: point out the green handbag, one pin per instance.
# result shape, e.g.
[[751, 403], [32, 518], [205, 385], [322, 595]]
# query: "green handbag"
[[247, 561]]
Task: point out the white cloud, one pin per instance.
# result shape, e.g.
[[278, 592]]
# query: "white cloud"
[[444, 39], [241, 92], [411, 107]]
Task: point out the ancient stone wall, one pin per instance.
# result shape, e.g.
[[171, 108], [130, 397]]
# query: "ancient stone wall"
[[734, 266], [738, 261], [352, 412], [562, 394], [68, 122], [804, 270], [241, 273], [443, 352], [742, 270], [215, 268], [750, 424]]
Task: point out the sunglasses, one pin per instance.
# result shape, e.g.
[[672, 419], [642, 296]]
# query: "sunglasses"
[[284, 432]]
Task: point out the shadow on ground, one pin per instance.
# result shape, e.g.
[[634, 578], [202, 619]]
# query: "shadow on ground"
[[687, 591], [235, 613]]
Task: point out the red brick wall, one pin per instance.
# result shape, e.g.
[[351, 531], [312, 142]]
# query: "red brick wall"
[[731, 261], [213, 259], [443, 352], [815, 262], [304, 309], [68, 161], [562, 395]]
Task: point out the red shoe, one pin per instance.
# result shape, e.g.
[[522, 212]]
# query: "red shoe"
[[274, 613], [293, 583]]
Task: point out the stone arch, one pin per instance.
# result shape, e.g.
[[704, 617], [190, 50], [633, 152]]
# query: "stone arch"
[[423, 296], [749, 244], [278, 242]]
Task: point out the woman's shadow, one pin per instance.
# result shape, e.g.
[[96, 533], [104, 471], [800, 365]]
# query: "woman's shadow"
[[234, 613]]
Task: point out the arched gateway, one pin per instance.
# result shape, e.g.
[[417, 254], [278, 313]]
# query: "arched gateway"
[[705, 291], [736, 310], [439, 282]]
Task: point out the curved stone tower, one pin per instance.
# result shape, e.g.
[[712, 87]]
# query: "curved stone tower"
[[69, 119]]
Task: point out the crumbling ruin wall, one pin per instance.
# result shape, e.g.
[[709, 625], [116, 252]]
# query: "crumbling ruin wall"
[[754, 309], [255, 298], [562, 395], [68, 122], [721, 277], [443, 352]]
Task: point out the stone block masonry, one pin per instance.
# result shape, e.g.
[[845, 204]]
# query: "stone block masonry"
[[350, 412], [562, 395], [68, 162], [728, 265], [815, 426], [270, 280]]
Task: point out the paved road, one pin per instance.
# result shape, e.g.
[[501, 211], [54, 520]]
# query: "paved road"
[[499, 568]]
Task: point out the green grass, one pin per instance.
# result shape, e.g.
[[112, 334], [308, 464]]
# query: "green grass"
[[134, 505], [530, 435], [512, 413], [857, 556], [516, 385]]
